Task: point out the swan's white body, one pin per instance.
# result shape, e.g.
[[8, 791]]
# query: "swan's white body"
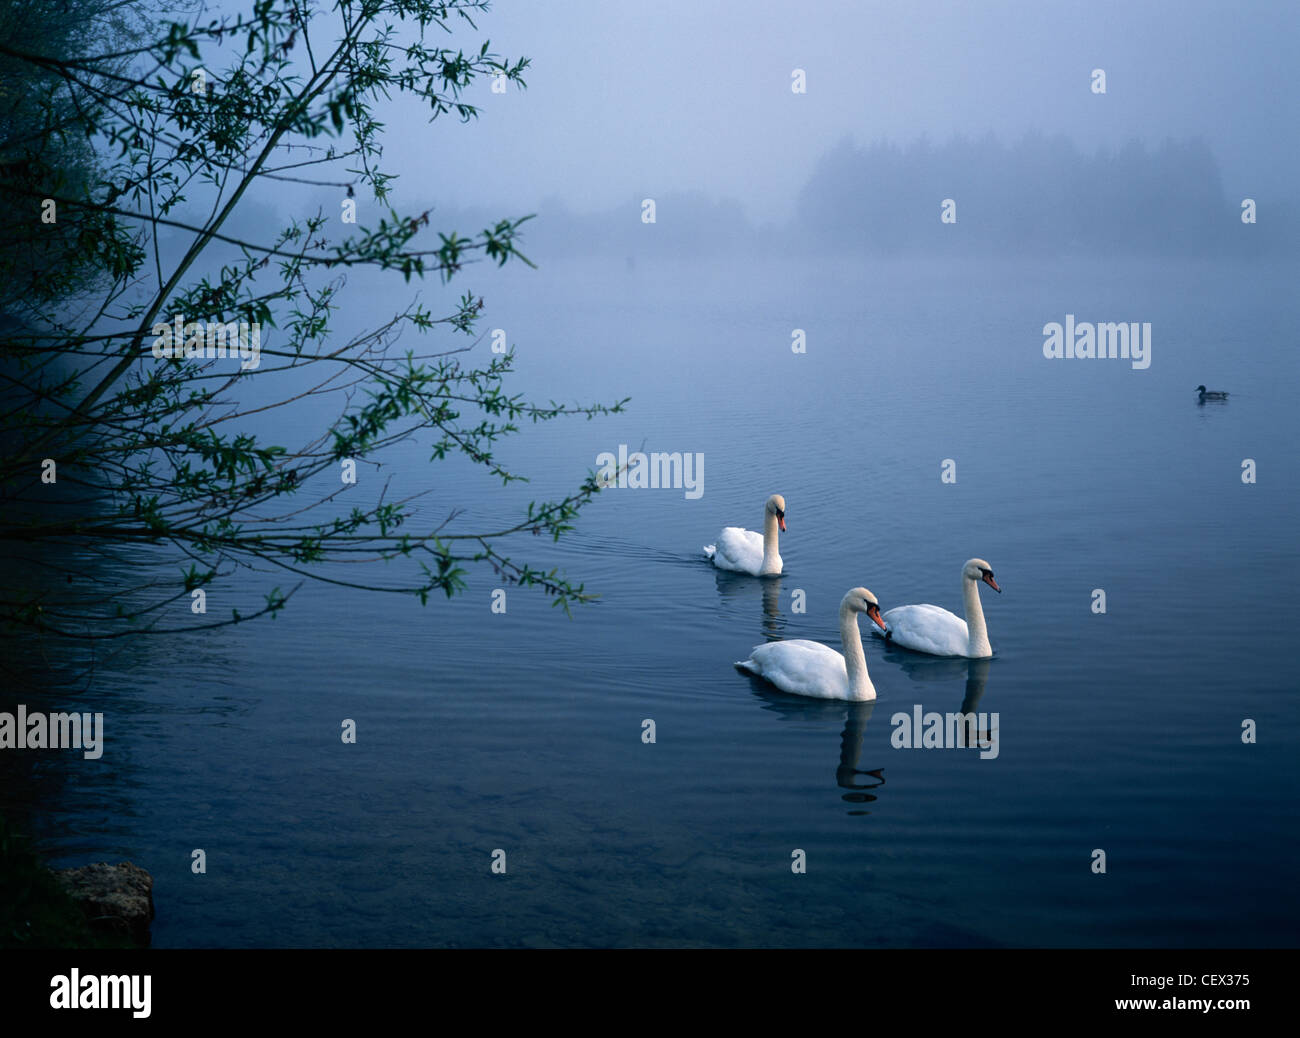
[[744, 551], [808, 668], [934, 630]]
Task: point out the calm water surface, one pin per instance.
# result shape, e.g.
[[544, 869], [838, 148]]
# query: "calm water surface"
[[522, 731]]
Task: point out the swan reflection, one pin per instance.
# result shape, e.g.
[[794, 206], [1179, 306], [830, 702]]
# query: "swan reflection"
[[850, 775], [767, 591], [948, 671]]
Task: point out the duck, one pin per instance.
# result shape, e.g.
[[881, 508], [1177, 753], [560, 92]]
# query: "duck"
[[807, 668], [936, 631], [744, 551], [1211, 394]]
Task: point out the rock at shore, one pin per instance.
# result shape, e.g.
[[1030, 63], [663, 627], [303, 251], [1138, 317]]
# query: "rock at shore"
[[117, 899]]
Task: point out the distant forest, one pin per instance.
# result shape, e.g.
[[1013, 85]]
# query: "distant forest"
[[1039, 196]]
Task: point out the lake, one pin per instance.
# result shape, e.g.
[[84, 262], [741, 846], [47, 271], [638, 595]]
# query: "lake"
[[477, 731]]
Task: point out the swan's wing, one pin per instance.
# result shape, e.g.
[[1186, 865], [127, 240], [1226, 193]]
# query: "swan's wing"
[[927, 628], [738, 550], [806, 668]]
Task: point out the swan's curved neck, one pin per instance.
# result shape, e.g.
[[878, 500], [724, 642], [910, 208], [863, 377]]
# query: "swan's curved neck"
[[770, 552], [977, 642], [855, 660]]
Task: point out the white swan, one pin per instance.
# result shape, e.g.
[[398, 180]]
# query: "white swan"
[[744, 551], [808, 668], [928, 628]]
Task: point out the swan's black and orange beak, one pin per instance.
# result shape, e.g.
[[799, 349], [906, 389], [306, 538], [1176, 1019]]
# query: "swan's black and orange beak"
[[873, 611], [988, 579], [780, 520]]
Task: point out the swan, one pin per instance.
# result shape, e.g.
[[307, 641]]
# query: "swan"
[[807, 668], [1211, 394], [744, 551], [930, 629]]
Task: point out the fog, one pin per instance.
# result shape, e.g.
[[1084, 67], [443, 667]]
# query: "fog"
[[633, 101], [991, 105]]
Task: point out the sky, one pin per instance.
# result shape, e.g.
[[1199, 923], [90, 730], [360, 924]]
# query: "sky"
[[629, 100]]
